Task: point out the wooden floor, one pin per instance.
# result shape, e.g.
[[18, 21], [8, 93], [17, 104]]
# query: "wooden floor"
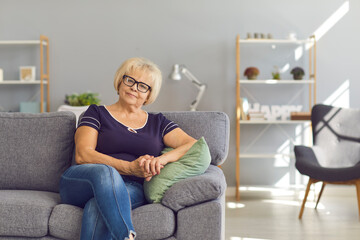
[[275, 216]]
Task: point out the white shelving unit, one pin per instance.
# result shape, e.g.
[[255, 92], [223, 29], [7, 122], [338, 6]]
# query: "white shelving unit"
[[273, 121], [23, 42], [43, 43], [311, 82], [277, 41], [17, 82], [272, 81]]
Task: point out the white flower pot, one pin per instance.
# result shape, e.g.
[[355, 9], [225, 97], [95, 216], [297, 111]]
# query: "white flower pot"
[[78, 110]]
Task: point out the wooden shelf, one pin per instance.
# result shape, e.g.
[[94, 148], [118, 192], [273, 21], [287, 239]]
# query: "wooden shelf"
[[272, 81], [43, 44], [274, 121], [22, 42], [19, 82], [311, 82], [276, 41]]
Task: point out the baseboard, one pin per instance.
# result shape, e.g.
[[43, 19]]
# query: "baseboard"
[[270, 191]]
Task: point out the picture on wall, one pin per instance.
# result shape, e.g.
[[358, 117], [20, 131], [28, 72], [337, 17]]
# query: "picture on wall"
[[27, 73]]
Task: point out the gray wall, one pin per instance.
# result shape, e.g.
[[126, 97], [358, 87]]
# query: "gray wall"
[[90, 39]]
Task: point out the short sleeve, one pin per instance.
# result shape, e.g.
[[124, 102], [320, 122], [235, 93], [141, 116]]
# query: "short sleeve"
[[166, 125], [91, 118]]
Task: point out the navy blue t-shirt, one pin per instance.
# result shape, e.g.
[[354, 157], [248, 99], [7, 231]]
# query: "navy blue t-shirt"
[[119, 141]]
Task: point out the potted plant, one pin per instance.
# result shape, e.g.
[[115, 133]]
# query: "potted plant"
[[84, 99], [251, 73], [276, 73], [78, 103], [298, 73]]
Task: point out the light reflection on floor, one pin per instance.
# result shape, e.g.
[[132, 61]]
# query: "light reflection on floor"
[[265, 213]]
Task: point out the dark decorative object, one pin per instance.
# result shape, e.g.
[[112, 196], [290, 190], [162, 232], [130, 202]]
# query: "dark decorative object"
[[298, 73], [251, 73]]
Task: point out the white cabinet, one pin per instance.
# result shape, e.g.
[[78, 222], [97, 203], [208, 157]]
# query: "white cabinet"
[[308, 46], [43, 44]]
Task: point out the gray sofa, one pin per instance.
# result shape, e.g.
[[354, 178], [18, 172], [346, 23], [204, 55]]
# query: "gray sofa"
[[35, 149]]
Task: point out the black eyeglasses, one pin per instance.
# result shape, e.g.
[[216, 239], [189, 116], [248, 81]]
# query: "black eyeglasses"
[[141, 87]]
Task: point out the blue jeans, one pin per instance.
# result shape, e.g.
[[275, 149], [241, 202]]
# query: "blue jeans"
[[107, 198]]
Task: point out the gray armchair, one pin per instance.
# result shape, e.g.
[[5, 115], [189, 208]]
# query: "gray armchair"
[[335, 155]]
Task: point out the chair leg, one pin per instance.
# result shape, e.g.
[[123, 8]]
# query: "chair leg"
[[321, 191], [357, 183], [305, 197]]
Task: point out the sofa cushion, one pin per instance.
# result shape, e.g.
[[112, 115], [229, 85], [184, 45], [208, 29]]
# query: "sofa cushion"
[[195, 190], [25, 238], [65, 222], [35, 149], [26, 213], [202, 221], [153, 221], [195, 161]]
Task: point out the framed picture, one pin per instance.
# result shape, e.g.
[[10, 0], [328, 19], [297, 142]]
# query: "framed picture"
[[27, 73]]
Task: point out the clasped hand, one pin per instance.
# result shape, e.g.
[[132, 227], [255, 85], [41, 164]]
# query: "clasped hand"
[[147, 166]]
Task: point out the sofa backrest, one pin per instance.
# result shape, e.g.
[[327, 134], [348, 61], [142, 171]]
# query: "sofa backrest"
[[35, 149], [213, 126]]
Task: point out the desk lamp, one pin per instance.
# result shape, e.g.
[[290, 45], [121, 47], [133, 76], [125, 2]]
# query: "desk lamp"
[[176, 75]]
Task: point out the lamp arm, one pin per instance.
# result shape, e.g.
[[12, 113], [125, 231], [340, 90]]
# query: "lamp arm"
[[191, 77], [195, 103], [198, 84]]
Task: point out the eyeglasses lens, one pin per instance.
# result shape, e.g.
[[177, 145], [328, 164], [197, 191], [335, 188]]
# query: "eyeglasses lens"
[[142, 87]]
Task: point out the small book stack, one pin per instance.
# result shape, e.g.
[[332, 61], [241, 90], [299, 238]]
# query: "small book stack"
[[256, 116], [300, 116]]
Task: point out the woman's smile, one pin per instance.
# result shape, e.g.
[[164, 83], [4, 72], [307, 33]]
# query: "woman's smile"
[[131, 95]]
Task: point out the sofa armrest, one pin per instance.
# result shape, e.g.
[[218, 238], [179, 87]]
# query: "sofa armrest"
[[191, 191]]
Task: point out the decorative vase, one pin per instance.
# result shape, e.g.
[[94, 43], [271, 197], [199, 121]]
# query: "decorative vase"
[[252, 77], [298, 76], [251, 73]]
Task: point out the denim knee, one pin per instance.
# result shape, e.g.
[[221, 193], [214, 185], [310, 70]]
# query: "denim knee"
[[105, 176], [86, 179]]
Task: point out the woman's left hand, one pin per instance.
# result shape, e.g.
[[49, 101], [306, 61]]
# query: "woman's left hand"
[[154, 165]]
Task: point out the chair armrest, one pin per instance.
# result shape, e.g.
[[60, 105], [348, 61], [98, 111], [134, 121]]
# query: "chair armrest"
[[305, 159], [304, 154], [308, 162], [194, 190]]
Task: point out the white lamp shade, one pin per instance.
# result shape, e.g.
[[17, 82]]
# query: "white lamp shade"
[[175, 74]]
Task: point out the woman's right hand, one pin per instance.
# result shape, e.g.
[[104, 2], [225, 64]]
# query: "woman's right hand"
[[137, 167]]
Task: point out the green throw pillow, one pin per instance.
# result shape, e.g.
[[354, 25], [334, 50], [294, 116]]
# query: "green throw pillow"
[[195, 161]]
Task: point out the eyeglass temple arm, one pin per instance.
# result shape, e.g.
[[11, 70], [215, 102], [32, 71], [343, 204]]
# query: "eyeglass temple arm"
[[198, 84]]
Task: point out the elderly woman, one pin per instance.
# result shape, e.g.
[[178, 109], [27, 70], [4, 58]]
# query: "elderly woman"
[[117, 147]]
